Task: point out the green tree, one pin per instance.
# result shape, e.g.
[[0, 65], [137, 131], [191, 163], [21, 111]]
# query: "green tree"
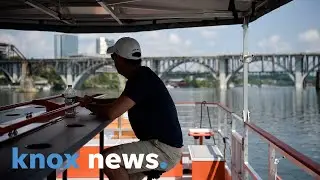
[[103, 80], [51, 75]]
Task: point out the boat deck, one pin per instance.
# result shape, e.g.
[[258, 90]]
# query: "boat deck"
[[200, 161]]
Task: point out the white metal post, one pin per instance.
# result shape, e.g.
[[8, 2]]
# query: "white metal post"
[[219, 124], [245, 59], [271, 160], [219, 118], [120, 126]]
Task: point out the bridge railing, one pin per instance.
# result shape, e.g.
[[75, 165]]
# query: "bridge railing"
[[238, 143]]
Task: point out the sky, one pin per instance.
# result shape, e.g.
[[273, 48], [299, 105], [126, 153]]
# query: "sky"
[[293, 28]]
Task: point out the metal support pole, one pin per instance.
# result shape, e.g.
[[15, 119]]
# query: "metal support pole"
[[101, 147], [201, 140], [65, 175], [272, 165], [233, 123], [52, 176], [245, 58], [219, 118], [245, 70], [318, 80], [120, 127]]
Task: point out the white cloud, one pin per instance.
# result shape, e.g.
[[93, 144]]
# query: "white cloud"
[[188, 42], [89, 36], [274, 44], [174, 38], [212, 43], [310, 36], [208, 34], [153, 34], [153, 43], [312, 39], [7, 38], [164, 43], [221, 27]]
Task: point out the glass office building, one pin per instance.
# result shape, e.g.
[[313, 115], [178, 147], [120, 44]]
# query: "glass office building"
[[65, 45]]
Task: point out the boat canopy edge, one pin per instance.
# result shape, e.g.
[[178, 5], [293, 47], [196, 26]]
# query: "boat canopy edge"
[[120, 16]]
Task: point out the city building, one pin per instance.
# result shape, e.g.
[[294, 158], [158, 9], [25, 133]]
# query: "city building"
[[65, 45], [102, 45]]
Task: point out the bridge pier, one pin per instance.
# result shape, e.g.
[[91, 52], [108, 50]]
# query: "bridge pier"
[[222, 74], [26, 82], [299, 100], [318, 80], [69, 74], [155, 66], [298, 80], [298, 73], [15, 73]]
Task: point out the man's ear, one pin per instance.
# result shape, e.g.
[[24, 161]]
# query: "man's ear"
[[120, 106]]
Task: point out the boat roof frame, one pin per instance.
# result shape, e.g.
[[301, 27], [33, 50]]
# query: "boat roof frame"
[[63, 25], [120, 16]]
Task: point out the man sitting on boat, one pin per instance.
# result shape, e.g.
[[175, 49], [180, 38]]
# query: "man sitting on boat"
[[151, 110]]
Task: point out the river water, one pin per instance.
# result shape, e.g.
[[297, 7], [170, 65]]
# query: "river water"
[[290, 115]]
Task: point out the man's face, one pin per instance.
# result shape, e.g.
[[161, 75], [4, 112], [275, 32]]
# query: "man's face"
[[117, 62]]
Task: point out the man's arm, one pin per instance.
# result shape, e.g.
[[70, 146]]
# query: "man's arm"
[[113, 110], [90, 99], [104, 101]]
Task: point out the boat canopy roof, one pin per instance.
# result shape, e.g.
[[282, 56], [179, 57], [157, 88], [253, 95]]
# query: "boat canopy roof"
[[116, 16]]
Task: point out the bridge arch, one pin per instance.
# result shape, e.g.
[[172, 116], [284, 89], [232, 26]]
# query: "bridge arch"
[[7, 74], [80, 79], [49, 72], [233, 74], [170, 68], [310, 70]]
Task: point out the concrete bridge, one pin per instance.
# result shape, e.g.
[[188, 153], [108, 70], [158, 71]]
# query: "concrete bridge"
[[76, 70]]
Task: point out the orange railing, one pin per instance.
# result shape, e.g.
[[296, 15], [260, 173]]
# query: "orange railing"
[[292, 154], [238, 144]]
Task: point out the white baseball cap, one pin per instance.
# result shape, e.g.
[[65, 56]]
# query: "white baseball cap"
[[126, 47]]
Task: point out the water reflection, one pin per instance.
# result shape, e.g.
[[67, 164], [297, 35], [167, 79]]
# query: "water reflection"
[[12, 97], [223, 97], [318, 100], [299, 98]]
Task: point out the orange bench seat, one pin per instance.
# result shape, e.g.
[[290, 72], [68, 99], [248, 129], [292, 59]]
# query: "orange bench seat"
[[85, 172]]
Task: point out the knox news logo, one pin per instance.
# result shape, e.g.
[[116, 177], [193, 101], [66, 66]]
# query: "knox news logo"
[[65, 161]]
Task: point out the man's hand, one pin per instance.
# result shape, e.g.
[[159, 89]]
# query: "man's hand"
[[101, 110], [85, 100], [92, 107], [112, 110]]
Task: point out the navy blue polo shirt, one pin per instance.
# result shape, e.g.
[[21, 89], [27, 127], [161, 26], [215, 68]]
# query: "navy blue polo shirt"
[[154, 115]]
